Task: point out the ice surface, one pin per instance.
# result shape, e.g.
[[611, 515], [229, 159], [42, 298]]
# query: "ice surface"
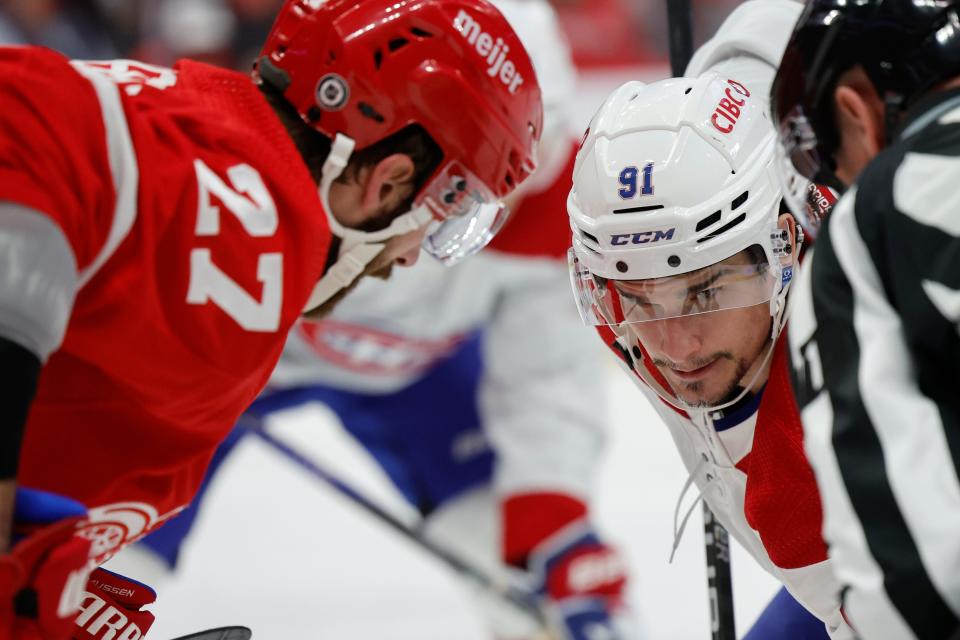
[[279, 552]]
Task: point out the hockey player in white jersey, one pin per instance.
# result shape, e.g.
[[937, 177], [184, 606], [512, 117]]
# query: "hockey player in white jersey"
[[490, 431], [682, 258]]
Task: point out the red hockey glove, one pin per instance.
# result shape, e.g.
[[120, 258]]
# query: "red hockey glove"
[[42, 579], [112, 608], [580, 579]]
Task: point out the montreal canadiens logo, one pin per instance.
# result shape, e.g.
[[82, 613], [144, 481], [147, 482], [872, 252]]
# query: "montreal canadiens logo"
[[332, 92]]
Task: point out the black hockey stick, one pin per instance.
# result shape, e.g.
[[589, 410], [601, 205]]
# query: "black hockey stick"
[[220, 633], [719, 585], [680, 25], [716, 538], [521, 599]]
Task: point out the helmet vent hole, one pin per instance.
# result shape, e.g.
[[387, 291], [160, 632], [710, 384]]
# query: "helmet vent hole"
[[592, 237], [508, 178], [368, 110], [739, 200], [420, 33], [713, 218], [689, 89], [377, 59], [730, 225], [397, 44]]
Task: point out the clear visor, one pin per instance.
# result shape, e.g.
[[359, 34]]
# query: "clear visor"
[[743, 280], [797, 164], [466, 214]]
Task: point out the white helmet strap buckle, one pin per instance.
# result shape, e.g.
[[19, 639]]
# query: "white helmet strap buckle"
[[357, 248]]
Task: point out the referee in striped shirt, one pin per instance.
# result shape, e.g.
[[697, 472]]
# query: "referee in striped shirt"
[[867, 101]]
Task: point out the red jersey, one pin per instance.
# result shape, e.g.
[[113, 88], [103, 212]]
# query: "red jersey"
[[198, 235]]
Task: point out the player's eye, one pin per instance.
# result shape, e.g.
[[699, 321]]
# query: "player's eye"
[[639, 307], [703, 299]]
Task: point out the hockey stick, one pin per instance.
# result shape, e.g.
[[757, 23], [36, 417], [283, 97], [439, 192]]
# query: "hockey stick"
[[680, 24], [719, 586], [521, 600], [220, 633], [716, 538]]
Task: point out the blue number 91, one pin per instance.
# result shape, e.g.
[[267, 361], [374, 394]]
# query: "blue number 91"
[[628, 178]]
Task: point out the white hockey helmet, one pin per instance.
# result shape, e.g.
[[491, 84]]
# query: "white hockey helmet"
[[673, 182]]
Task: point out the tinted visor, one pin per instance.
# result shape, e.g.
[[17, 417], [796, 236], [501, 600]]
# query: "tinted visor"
[[797, 162], [801, 103]]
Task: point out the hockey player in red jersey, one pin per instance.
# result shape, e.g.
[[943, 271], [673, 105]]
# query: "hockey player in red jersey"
[[163, 228], [683, 255]]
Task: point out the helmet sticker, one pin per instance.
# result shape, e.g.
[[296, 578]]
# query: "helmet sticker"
[[332, 92], [628, 180], [642, 237], [727, 113], [493, 52]]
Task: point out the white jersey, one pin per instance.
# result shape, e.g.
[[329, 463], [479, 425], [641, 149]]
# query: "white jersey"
[[541, 383], [716, 460], [748, 48]]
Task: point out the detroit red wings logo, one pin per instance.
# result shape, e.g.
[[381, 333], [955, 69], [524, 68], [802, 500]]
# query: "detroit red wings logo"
[[113, 526]]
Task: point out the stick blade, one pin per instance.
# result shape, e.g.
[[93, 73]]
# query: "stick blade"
[[220, 633]]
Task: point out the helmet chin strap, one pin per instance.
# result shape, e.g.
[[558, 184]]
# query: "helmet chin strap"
[[357, 248]]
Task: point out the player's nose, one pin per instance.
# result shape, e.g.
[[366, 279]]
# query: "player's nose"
[[408, 248], [679, 339]]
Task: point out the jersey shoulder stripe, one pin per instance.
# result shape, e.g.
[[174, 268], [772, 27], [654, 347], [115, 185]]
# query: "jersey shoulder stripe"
[[123, 165]]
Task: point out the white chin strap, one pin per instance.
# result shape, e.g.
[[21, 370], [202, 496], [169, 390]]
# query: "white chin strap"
[[357, 248]]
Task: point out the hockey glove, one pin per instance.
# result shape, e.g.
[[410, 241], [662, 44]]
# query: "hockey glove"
[[42, 578], [112, 608], [580, 579]]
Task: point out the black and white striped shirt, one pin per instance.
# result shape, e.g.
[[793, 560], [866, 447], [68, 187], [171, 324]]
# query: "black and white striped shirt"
[[876, 353]]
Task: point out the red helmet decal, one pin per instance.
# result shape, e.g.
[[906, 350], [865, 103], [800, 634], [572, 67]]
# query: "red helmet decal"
[[727, 113]]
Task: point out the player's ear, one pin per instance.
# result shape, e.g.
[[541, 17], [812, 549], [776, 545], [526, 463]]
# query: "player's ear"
[[788, 222], [388, 183]]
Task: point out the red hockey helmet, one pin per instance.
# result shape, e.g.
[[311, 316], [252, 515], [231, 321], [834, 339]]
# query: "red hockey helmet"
[[367, 69]]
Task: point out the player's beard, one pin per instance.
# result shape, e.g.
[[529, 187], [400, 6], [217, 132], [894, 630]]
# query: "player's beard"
[[691, 392], [733, 387], [379, 268]]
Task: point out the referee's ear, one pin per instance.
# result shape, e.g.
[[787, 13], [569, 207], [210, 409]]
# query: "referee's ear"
[[859, 116]]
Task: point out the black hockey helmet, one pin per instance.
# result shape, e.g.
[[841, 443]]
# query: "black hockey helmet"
[[904, 46]]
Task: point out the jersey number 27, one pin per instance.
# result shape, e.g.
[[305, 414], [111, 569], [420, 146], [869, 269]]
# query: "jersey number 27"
[[247, 198]]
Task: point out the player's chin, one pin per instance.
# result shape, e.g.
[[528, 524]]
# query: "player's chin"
[[707, 393]]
